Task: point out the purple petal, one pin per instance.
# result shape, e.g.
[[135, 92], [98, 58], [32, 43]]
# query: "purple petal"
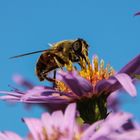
[[113, 101], [36, 128], [9, 136], [58, 119], [111, 124], [16, 94], [132, 68], [105, 86], [91, 130], [21, 81], [111, 85], [69, 119], [120, 119], [9, 98], [137, 14], [76, 83], [128, 135], [38, 94], [115, 83], [44, 99], [47, 122], [126, 83], [38, 99], [3, 136]]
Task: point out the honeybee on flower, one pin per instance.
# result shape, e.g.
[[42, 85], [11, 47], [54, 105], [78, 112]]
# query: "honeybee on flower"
[[59, 55]]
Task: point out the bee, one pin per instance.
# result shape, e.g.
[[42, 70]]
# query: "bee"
[[59, 55]]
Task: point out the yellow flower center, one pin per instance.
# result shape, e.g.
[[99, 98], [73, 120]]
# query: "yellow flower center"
[[94, 72]]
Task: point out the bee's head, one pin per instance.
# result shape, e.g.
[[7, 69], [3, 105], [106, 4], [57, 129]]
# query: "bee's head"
[[80, 47]]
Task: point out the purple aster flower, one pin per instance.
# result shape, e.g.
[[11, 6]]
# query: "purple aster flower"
[[63, 126], [89, 88], [113, 102]]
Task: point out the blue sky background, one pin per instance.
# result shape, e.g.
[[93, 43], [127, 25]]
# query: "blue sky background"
[[107, 25]]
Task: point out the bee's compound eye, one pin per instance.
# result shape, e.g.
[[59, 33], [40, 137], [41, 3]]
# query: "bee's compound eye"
[[77, 46]]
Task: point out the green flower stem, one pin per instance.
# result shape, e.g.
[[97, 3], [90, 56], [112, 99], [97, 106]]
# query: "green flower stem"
[[93, 109]]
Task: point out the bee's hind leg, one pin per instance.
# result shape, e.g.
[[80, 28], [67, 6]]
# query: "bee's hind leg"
[[50, 79], [44, 75]]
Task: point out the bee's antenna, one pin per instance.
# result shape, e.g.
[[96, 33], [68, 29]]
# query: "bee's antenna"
[[27, 54]]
